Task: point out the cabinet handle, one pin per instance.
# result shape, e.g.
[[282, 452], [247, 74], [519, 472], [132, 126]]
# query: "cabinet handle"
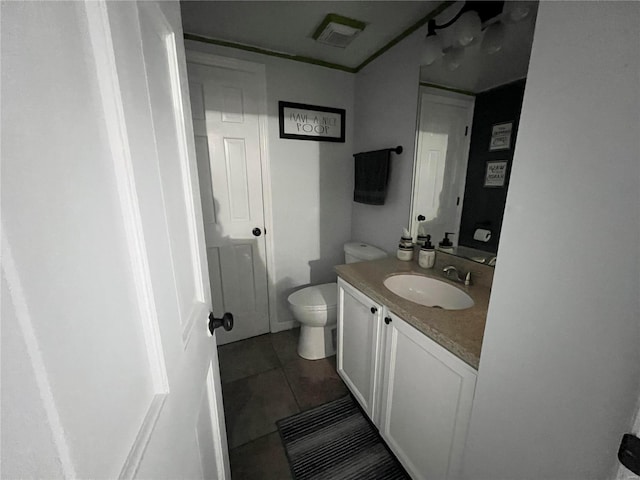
[[374, 309], [387, 320]]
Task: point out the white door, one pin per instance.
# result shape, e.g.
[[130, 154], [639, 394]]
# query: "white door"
[[442, 150], [227, 103], [622, 472], [107, 367]]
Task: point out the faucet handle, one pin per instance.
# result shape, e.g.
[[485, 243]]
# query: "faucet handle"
[[447, 270], [467, 279]]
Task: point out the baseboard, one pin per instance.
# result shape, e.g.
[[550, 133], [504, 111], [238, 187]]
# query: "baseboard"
[[282, 326]]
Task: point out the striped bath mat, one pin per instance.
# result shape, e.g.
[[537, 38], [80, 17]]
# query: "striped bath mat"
[[336, 442]]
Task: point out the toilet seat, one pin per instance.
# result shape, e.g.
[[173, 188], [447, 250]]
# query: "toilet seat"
[[316, 297]]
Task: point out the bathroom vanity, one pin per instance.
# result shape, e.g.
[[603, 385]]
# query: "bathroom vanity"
[[412, 368]]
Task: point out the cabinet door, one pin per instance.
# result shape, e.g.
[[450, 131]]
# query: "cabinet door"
[[359, 320], [426, 402]]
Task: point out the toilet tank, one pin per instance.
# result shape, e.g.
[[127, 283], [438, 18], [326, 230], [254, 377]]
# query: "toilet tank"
[[362, 252]]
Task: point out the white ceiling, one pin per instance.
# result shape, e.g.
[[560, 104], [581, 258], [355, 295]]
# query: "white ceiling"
[[288, 26]]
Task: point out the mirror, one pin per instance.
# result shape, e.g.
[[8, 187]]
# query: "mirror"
[[466, 131]]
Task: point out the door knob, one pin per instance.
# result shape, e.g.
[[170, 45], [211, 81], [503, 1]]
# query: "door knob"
[[225, 322], [374, 309], [387, 320], [421, 218], [257, 232]]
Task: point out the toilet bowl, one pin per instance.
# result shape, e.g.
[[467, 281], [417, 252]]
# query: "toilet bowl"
[[315, 307]]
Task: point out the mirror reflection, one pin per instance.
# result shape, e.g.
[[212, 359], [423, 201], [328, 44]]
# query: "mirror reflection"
[[469, 110]]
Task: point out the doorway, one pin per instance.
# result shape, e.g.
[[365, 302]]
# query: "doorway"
[[228, 107], [442, 151]]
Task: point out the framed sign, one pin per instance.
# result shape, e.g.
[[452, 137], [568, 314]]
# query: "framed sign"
[[311, 122], [501, 136], [495, 174]]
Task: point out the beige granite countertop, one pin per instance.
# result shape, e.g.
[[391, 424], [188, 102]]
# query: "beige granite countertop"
[[459, 331]]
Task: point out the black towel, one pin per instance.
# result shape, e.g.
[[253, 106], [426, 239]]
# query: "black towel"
[[372, 176]]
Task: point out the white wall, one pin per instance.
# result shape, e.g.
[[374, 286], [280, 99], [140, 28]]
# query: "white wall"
[[386, 104], [311, 182], [560, 364]]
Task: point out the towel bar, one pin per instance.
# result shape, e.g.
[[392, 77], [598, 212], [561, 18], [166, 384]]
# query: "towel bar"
[[397, 150]]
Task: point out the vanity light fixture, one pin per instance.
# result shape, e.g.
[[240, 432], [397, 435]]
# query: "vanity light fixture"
[[517, 11], [467, 28], [467, 25], [493, 38], [453, 58], [432, 49]]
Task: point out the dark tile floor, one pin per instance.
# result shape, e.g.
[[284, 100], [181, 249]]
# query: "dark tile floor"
[[264, 380]]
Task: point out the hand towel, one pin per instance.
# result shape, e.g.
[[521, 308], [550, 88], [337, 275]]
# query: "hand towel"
[[372, 175]]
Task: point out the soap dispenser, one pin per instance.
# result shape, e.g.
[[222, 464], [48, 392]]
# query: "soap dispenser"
[[406, 238], [405, 248], [445, 245], [422, 237], [427, 256]]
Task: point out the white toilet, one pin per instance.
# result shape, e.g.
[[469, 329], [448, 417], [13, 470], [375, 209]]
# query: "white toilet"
[[315, 307]]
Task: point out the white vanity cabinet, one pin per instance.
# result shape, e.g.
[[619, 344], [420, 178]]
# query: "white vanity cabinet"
[[416, 392], [359, 326], [427, 393]]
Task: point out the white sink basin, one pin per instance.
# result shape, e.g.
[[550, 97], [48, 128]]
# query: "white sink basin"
[[429, 292]]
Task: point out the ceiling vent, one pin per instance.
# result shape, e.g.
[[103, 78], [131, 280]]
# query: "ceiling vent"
[[338, 31]]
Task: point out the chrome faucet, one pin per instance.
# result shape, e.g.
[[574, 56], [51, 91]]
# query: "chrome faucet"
[[451, 269]]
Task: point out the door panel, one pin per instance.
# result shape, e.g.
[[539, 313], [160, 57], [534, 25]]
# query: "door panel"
[[165, 98], [440, 166], [186, 336], [235, 160], [204, 434], [359, 321], [67, 256], [108, 278], [409, 394], [36, 451], [210, 417], [425, 411], [226, 118], [204, 174]]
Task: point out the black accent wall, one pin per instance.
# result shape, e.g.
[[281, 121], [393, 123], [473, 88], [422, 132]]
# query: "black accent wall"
[[484, 207]]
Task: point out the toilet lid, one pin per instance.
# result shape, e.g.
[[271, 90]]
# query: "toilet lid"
[[316, 297]]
